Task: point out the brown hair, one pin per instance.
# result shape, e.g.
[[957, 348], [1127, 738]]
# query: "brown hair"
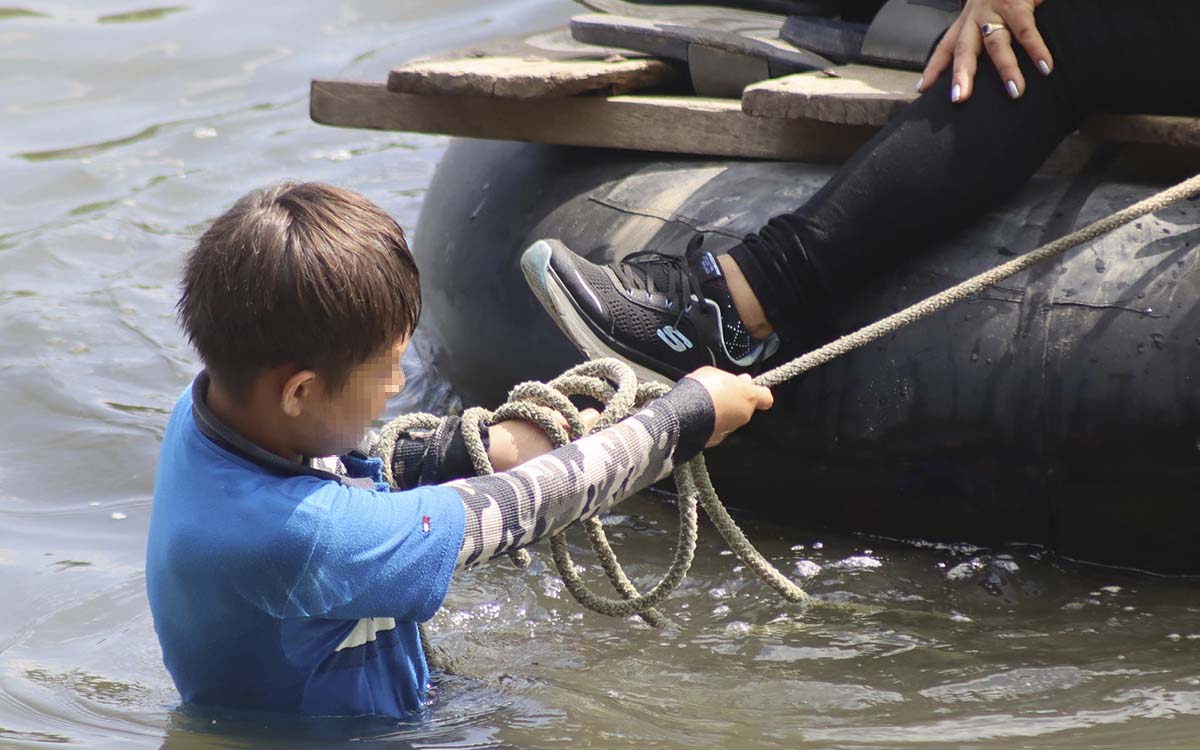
[[299, 273]]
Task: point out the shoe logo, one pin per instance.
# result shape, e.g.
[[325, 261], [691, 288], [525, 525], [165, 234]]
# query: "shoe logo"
[[673, 338]]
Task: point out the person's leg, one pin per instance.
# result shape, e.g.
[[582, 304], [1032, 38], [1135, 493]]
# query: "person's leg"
[[745, 302], [938, 165], [934, 168]]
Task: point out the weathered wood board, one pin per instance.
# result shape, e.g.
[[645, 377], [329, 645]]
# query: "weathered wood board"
[[726, 49], [845, 95], [688, 125], [862, 95], [1156, 130], [672, 39], [531, 78], [548, 63], [901, 35]]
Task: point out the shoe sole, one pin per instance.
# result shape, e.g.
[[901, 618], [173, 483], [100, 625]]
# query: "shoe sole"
[[549, 290]]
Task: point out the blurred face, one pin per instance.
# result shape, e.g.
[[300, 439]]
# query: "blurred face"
[[340, 420]]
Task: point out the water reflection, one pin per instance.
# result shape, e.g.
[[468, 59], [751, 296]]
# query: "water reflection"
[[125, 130]]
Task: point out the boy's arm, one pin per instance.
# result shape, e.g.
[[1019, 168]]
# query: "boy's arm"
[[347, 553], [515, 508]]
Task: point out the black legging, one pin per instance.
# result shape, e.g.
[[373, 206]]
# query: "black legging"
[[937, 166]]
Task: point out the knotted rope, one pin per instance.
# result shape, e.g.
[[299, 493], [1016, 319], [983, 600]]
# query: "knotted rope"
[[614, 385]]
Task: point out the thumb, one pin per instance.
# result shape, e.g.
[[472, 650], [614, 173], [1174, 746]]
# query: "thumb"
[[764, 399]]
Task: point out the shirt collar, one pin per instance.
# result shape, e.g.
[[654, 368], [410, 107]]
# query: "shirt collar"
[[224, 435]]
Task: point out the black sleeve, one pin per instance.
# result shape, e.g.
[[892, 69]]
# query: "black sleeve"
[[433, 456]]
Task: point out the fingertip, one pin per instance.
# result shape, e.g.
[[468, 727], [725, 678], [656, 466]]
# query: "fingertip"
[[938, 64]]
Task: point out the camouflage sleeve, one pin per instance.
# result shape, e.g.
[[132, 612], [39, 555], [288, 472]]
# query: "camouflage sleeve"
[[515, 508], [424, 457]]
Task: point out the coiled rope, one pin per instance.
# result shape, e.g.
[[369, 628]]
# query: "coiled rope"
[[614, 385]]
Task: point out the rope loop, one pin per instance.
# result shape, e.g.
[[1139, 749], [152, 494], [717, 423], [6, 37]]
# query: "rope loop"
[[613, 385]]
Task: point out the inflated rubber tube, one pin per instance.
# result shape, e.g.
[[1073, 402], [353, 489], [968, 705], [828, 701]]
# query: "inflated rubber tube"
[[1062, 409]]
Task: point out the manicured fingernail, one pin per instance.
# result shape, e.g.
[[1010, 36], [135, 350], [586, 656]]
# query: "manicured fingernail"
[[1044, 67], [955, 93], [920, 83], [1013, 91]]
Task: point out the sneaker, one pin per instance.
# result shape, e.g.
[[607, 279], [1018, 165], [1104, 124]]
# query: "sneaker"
[[664, 315]]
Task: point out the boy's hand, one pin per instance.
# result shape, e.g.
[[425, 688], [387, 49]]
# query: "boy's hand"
[[515, 441], [735, 399]]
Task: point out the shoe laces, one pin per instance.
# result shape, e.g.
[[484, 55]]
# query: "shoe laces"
[[652, 272]]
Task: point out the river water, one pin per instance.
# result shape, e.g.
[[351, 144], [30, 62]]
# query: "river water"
[[125, 129]]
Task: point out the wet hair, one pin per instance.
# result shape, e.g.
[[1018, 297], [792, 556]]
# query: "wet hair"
[[302, 274]]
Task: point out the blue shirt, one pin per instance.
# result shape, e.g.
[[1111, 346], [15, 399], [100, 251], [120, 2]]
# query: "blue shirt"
[[278, 587]]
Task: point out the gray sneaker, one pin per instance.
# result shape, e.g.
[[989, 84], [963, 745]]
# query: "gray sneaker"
[[665, 315]]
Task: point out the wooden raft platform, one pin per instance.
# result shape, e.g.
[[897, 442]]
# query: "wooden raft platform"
[[670, 124], [865, 95], [548, 88]]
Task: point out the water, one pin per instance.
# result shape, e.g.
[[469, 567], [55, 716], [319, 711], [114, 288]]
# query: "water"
[[126, 128]]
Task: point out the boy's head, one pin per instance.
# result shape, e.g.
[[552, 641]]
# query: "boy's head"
[[302, 297]]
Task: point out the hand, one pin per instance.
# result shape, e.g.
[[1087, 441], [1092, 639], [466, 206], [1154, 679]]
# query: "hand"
[[515, 441], [735, 399], [964, 41]]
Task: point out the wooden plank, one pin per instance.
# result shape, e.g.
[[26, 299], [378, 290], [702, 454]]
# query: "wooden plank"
[[845, 95], [531, 65], [687, 125], [1182, 132], [862, 95], [671, 39], [725, 48], [531, 78]]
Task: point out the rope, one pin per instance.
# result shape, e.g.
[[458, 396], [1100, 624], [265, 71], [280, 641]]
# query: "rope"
[[976, 284], [613, 384]]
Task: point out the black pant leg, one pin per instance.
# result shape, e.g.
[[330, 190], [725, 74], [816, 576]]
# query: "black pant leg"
[[937, 166]]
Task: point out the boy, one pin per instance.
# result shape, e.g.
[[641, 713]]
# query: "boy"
[[277, 584]]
